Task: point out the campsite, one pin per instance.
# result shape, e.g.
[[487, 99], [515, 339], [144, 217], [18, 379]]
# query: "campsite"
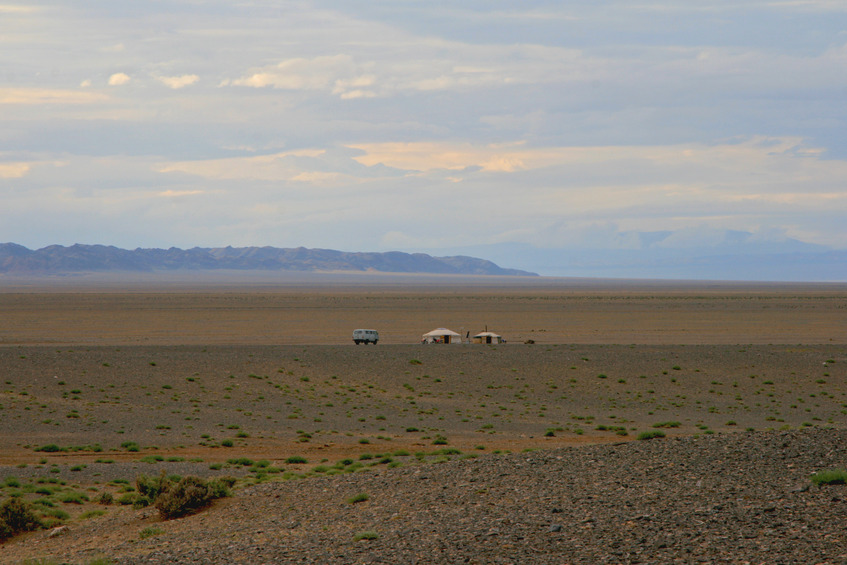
[[446, 336]]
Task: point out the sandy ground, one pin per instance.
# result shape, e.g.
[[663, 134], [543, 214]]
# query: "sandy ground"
[[325, 313]]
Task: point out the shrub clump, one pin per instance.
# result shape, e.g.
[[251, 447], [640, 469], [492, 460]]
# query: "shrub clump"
[[832, 477], [361, 497], [174, 497], [149, 488], [187, 496], [368, 535], [49, 448], [653, 434], [672, 424], [17, 516]]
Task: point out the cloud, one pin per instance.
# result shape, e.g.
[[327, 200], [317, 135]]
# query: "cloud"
[[729, 185], [18, 9], [179, 193], [39, 96], [317, 177], [427, 156], [275, 167], [178, 82], [119, 79], [426, 65], [301, 74], [13, 170]]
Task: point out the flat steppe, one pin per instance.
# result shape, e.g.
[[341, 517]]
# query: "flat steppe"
[[748, 382]]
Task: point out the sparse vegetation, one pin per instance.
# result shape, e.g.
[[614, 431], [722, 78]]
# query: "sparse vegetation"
[[150, 531], [672, 424], [830, 477], [361, 497]]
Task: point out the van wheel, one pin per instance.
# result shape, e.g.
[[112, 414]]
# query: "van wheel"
[[356, 341]]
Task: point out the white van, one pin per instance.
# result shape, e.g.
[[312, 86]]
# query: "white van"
[[365, 336]]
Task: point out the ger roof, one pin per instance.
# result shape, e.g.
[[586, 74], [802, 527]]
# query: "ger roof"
[[440, 331]]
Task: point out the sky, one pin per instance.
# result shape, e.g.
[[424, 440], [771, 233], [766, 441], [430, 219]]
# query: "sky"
[[424, 125]]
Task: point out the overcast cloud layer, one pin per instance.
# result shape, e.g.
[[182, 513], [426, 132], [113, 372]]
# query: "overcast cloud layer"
[[421, 125]]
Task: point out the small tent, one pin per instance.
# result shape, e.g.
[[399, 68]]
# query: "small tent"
[[488, 337], [441, 335]]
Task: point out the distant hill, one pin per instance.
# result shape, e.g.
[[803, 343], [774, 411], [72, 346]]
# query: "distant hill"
[[16, 258]]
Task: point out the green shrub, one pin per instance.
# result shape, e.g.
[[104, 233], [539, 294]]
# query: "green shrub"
[[49, 448], [17, 516], [150, 531], [105, 499], [149, 488], [295, 460], [189, 495], [651, 435], [361, 497], [127, 499], [73, 497], [366, 536], [140, 502], [56, 513], [130, 446], [667, 425], [220, 486], [12, 482], [831, 477], [175, 496]]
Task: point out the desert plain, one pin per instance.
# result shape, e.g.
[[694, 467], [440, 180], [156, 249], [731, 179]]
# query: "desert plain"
[[107, 379]]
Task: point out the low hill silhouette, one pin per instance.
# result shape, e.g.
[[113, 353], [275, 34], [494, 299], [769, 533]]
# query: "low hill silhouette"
[[16, 258]]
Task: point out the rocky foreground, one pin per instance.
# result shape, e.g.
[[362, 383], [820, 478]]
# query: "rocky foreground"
[[730, 498]]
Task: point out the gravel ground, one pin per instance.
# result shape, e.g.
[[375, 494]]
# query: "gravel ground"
[[181, 400], [724, 498]]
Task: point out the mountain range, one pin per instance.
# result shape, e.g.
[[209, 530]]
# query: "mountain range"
[[16, 258]]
